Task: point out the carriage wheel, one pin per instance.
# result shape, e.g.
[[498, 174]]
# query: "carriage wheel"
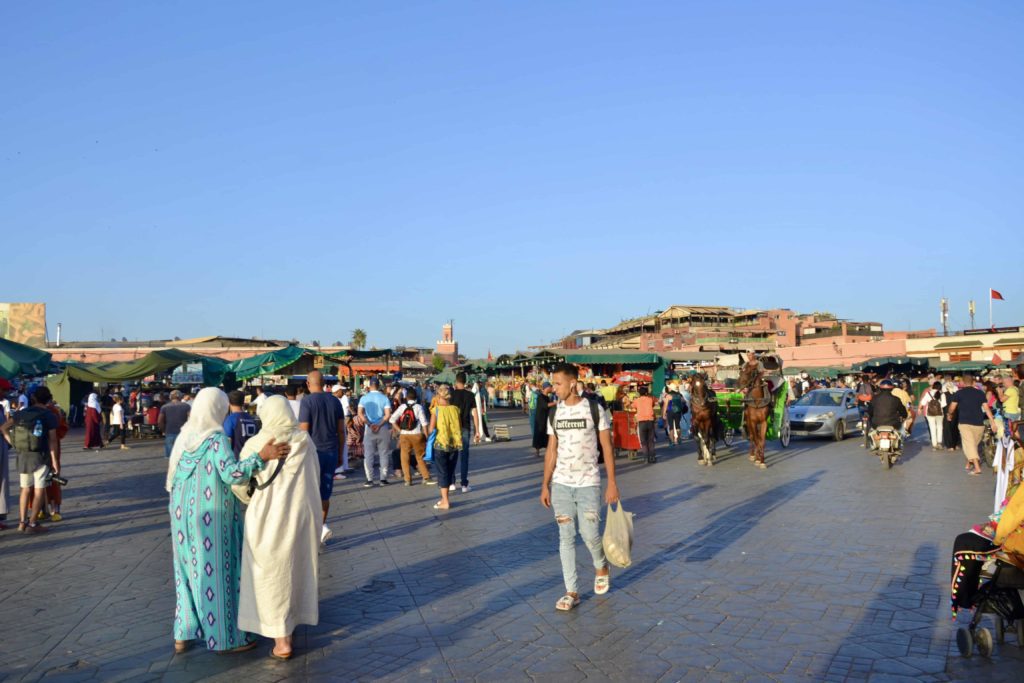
[[964, 642], [729, 437], [984, 638], [784, 431]]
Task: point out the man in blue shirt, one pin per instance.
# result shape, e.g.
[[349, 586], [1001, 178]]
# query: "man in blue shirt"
[[320, 415], [375, 409]]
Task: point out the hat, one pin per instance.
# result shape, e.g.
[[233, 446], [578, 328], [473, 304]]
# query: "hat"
[[886, 383]]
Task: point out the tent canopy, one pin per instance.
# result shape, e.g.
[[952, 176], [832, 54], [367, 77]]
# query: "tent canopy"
[[266, 363], [214, 370], [20, 359], [893, 361]]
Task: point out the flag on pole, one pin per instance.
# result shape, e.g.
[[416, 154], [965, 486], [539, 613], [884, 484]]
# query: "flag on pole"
[[996, 359], [993, 294]]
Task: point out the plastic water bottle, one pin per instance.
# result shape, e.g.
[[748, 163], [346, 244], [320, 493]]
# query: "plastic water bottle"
[[37, 431]]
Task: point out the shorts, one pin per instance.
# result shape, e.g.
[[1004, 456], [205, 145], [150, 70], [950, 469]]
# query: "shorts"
[[36, 480], [328, 461]]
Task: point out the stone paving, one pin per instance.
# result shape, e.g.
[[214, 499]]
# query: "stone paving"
[[825, 567]]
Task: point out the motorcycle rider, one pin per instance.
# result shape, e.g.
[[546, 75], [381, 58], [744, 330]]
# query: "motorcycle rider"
[[886, 410]]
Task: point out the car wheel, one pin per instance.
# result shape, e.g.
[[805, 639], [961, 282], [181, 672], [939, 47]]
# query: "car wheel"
[[839, 433]]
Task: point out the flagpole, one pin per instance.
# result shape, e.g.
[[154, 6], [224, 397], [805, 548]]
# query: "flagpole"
[[990, 308]]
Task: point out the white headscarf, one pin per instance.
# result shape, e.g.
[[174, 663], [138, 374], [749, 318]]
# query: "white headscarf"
[[205, 418], [278, 423], [94, 402]]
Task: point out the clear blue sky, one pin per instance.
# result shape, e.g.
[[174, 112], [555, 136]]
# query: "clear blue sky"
[[524, 168]]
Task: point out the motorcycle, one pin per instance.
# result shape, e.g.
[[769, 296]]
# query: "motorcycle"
[[888, 444]]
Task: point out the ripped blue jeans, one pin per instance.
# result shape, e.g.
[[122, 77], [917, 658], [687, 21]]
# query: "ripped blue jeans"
[[577, 506]]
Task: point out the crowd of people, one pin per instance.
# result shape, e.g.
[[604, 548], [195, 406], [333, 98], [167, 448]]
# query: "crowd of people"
[[250, 476]]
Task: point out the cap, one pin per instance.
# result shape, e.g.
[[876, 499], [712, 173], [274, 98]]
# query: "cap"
[[545, 385]]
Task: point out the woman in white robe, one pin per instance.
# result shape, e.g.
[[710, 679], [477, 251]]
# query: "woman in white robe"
[[282, 535]]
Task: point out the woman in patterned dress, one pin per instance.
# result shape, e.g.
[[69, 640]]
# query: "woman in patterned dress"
[[206, 526]]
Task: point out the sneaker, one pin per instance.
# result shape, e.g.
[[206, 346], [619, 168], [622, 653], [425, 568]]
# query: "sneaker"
[[466, 489], [451, 487], [430, 482], [339, 475], [325, 535], [383, 482], [125, 447], [368, 484], [56, 517]]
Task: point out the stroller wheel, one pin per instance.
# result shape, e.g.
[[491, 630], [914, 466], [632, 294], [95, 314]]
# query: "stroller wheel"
[[964, 642], [1020, 633], [1000, 630], [984, 638]]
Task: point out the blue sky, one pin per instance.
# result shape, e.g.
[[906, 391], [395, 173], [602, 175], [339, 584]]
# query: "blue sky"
[[524, 168]]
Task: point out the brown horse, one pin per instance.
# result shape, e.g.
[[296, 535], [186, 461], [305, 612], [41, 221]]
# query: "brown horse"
[[704, 418], [757, 406]]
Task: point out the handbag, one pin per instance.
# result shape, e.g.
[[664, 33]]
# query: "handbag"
[[243, 492], [429, 457]]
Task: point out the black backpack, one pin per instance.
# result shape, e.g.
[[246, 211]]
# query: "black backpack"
[[595, 415], [26, 423], [677, 403], [408, 420]]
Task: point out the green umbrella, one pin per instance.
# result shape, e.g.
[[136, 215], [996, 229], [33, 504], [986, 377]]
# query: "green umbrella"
[[19, 359]]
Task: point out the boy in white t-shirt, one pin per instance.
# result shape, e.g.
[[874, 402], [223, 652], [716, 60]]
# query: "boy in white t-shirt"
[[572, 480]]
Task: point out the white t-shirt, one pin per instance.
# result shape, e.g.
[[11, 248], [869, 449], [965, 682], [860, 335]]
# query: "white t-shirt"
[[117, 415], [421, 418], [346, 405], [295, 404], [577, 448]]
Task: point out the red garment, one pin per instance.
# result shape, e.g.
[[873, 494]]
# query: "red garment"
[[152, 415], [93, 423], [53, 491]]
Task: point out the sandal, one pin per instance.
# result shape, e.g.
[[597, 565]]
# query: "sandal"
[[181, 646], [280, 658], [602, 584], [567, 602], [438, 506]]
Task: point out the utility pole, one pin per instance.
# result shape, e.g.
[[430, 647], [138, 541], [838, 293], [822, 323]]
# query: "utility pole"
[[970, 309], [944, 315]]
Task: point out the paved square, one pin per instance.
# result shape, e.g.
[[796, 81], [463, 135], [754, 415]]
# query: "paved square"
[[825, 567]]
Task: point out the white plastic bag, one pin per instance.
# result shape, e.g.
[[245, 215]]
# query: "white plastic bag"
[[618, 536]]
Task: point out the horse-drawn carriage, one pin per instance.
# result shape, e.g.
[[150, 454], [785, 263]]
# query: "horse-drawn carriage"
[[757, 407]]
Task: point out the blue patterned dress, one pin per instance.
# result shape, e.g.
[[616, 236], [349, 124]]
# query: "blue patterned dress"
[[206, 532]]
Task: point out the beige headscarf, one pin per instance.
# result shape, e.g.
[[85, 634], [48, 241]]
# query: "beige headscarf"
[[204, 419], [279, 424]]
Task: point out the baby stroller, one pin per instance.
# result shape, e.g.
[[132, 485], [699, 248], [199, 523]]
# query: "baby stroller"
[[998, 594]]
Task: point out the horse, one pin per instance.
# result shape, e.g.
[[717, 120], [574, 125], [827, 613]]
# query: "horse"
[[757, 407], [704, 418]]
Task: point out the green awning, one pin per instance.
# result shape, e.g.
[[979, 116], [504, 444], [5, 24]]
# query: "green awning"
[[891, 360], [153, 363], [623, 358], [1010, 341], [266, 363], [961, 366], [21, 359], [962, 344], [446, 376]]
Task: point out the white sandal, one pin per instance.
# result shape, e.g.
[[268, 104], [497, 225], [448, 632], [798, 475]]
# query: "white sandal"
[[567, 602], [602, 584]]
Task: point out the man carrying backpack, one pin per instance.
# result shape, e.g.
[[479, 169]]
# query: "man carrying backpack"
[[578, 429], [932, 407], [33, 434]]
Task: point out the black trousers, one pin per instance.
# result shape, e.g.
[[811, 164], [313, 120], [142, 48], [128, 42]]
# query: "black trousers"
[[971, 568]]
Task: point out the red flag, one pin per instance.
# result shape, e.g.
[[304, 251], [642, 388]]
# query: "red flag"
[[993, 294], [996, 359]]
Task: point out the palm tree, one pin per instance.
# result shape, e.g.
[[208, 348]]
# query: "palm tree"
[[358, 338]]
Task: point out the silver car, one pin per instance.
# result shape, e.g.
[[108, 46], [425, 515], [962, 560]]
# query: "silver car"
[[825, 412]]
